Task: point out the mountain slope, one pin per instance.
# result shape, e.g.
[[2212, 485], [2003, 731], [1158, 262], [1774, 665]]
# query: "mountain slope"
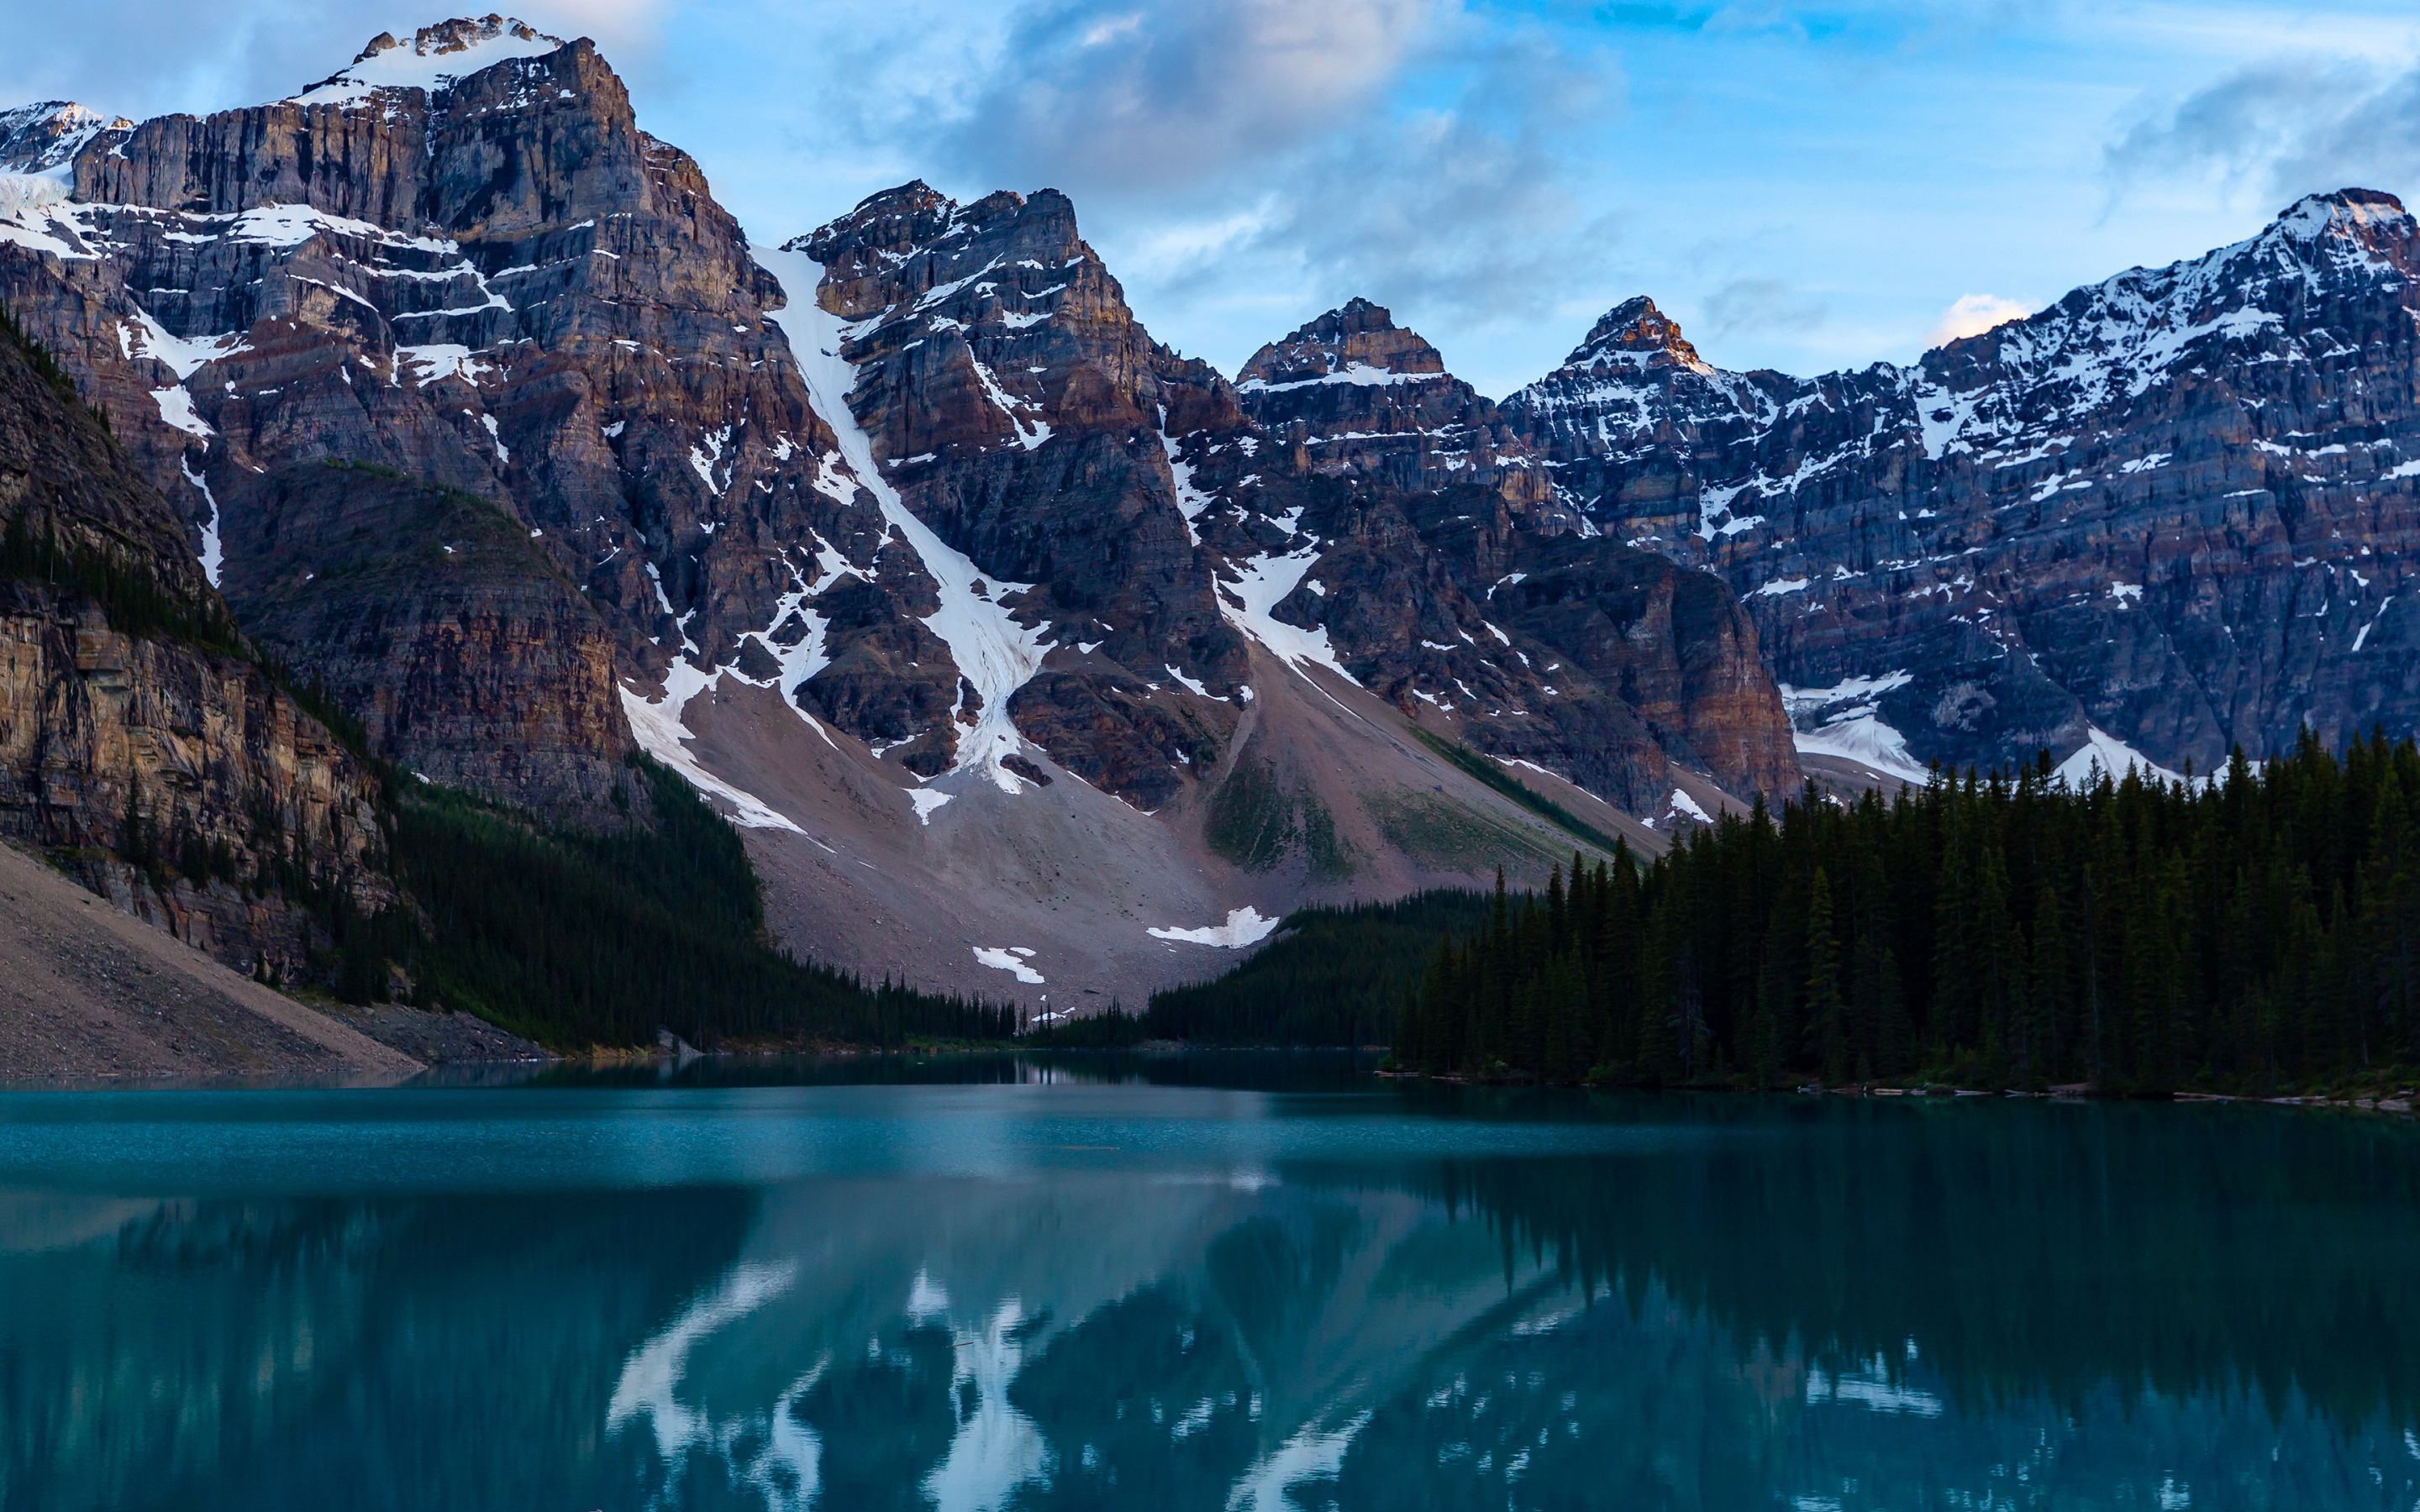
[[141, 742], [2163, 516], [885, 538]]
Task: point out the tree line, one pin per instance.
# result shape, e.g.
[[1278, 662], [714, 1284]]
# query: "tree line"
[[2253, 931], [574, 938]]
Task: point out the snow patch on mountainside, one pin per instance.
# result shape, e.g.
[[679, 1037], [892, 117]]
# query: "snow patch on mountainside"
[[1190, 500], [1245, 926], [2105, 752], [37, 215], [656, 727], [1259, 584], [993, 652], [1360, 375], [1010, 959], [213, 556], [1845, 720]]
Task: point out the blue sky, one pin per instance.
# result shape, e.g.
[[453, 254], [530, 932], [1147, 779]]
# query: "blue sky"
[[1803, 187]]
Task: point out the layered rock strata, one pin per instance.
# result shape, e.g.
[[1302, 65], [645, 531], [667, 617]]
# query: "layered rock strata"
[[2167, 516], [139, 742]]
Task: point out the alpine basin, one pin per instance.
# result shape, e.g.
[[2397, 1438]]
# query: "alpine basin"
[[1228, 1285]]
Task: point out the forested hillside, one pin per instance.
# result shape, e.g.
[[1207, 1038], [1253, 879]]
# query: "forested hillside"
[[2250, 932]]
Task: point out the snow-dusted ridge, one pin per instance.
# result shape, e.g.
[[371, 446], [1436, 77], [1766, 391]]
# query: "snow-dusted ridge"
[[2121, 337], [432, 59]]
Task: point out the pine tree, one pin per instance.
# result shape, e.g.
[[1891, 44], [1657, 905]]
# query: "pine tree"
[[1827, 1011]]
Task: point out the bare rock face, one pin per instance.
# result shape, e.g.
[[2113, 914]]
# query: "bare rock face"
[[433, 617], [1424, 519], [462, 260], [1369, 400], [2173, 509], [137, 742]]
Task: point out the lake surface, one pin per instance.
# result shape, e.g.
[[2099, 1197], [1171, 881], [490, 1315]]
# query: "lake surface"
[[1242, 1284]]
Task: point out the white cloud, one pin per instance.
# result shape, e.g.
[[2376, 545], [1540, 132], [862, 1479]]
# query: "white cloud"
[[1153, 97], [1973, 315]]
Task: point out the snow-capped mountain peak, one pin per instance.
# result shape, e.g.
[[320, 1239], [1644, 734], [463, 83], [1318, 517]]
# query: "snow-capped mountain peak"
[[46, 137], [1359, 342], [2346, 211], [2030, 383], [432, 59]]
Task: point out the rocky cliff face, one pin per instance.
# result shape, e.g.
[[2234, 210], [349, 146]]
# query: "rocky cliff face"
[[1008, 399], [2167, 516], [466, 652], [1444, 570], [1371, 401], [903, 539], [460, 259], [137, 744]]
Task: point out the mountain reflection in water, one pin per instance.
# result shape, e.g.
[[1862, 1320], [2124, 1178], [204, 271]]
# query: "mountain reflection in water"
[[1039, 1289]]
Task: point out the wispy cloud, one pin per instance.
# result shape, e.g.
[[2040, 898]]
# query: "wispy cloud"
[[1160, 95], [2280, 129], [1752, 306]]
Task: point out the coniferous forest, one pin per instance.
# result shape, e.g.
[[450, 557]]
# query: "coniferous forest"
[[2254, 933], [579, 939]]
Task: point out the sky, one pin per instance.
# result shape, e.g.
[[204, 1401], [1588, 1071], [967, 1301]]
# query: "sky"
[[1803, 187]]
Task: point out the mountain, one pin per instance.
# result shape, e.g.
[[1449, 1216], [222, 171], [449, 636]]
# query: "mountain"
[[1031, 656], [46, 138], [902, 539], [2165, 517], [141, 742]]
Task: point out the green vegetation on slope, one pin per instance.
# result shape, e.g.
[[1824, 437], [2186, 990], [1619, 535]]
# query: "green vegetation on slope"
[[574, 938], [1492, 773]]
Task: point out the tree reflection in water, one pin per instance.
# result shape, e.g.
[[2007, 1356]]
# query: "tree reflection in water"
[[1691, 1302]]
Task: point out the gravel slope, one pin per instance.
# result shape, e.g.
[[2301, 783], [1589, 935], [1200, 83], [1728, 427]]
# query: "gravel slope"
[[86, 991]]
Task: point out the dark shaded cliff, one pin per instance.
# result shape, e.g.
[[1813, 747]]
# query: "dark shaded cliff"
[[142, 742]]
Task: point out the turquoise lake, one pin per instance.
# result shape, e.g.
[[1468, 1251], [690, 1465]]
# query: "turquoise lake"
[[1238, 1284]]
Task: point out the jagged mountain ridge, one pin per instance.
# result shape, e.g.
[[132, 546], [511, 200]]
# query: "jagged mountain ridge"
[[885, 533], [882, 594], [2167, 516]]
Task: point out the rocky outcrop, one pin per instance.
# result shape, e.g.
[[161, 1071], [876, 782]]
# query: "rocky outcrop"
[[140, 743], [1422, 519], [45, 138], [1369, 400], [2167, 514], [462, 260], [430, 614], [1009, 397]]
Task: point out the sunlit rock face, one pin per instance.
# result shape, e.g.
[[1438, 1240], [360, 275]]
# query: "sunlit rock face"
[[2169, 513]]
